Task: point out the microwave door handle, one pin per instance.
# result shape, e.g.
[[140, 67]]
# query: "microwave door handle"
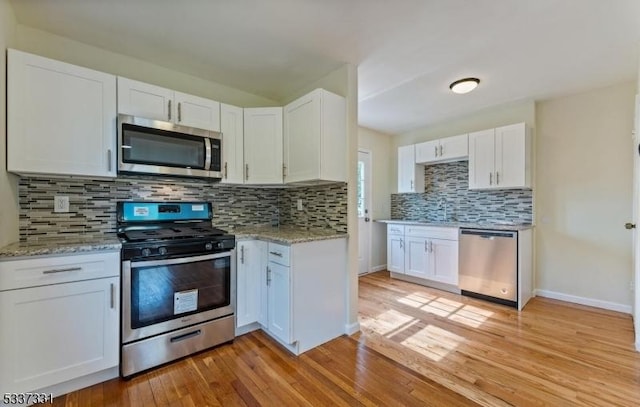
[[207, 160]]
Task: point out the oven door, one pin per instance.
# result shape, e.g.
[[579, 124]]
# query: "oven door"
[[159, 296]]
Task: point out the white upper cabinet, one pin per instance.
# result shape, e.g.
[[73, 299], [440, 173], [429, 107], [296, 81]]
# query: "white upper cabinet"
[[410, 175], [232, 128], [155, 102], [443, 150], [263, 146], [500, 158], [60, 118], [315, 138]]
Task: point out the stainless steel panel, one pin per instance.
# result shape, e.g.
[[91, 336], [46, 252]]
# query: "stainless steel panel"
[[129, 334], [151, 352], [488, 263]]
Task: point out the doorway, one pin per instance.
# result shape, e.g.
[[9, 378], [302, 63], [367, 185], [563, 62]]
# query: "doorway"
[[364, 216]]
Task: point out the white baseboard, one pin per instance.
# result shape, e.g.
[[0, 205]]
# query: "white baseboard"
[[613, 306], [350, 329], [247, 328], [381, 267]]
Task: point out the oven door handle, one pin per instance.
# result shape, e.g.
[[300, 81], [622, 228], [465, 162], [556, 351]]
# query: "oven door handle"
[[181, 260]]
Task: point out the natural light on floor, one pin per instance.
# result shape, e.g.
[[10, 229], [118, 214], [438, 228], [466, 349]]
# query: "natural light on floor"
[[430, 340]]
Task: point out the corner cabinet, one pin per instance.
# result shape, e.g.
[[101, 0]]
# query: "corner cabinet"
[[263, 160], [315, 138], [61, 316], [155, 102], [500, 158], [251, 261], [410, 175], [232, 129], [61, 118]]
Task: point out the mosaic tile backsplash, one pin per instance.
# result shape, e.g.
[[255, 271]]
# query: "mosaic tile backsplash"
[[446, 189], [92, 204]]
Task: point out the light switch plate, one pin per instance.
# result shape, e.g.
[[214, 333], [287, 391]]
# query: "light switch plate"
[[60, 204], [299, 204]]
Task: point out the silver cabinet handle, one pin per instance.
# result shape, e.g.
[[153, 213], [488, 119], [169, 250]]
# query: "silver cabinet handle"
[[109, 160], [246, 172], [268, 276], [490, 178], [497, 178], [276, 254], [113, 296], [401, 244], [169, 109], [441, 151], [284, 170], [435, 150], [412, 185], [62, 270], [241, 254], [179, 112], [430, 246], [426, 247], [226, 172]]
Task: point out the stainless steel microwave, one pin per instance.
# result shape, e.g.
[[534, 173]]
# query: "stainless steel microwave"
[[162, 148]]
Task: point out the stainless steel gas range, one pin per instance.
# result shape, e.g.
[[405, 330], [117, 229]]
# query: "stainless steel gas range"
[[178, 282]]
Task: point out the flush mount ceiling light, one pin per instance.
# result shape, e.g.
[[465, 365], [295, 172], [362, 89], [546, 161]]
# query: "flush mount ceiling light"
[[465, 85]]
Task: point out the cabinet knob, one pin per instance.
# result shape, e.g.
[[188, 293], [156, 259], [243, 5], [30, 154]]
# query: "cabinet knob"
[[629, 225]]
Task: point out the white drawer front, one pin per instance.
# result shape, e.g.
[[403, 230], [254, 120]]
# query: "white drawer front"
[[39, 271], [395, 229], [279, 253], [431, 232]]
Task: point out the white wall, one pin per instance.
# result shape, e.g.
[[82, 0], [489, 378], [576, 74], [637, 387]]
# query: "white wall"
[[483, 119], [583, 196], [380, 147], [8, 182], [64, 49]]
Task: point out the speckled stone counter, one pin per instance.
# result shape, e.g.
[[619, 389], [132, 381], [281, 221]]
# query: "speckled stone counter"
[[285, 235], [61, 245], [493, 226]]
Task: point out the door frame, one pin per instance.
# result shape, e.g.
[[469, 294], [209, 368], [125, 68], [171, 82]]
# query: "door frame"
[[369, 198], [635, 215]]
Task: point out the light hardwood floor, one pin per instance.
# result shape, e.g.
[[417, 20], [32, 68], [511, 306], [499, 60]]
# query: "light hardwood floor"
[[418, 346]]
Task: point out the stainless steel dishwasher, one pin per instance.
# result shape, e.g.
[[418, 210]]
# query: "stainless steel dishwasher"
[[488, 265]]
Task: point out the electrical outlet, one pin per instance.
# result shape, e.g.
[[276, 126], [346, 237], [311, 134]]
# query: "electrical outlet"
[[299, 204], [60, 204]]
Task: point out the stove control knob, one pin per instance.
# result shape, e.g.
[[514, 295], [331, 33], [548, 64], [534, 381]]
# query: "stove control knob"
[[208, 246], [146, 252], [162, 251]]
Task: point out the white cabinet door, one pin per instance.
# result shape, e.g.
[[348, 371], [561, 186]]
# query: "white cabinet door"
[[454, 148], [194, 111], [444, 261], [428, 151], [395, 253], [145, 100], [481, 159], [417, 257], [512, 157], [315, 138], [60, 118], [263, 145], [232, 128], [410, 175], [250, 261], [279, 301], [58, 333]]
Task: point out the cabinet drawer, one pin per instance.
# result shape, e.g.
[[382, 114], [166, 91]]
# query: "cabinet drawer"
[[279, 253], [432, 232], [39, 271], [395, 229]]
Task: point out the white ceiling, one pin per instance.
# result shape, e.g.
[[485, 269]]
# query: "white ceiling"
[[407, 51]]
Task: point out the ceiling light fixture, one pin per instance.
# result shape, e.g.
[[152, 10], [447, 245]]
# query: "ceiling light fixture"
[[465, 85]]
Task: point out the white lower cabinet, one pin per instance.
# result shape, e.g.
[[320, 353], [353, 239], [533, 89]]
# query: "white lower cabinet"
[[60, 319], [425, 254], [252, 255], [301, 291]]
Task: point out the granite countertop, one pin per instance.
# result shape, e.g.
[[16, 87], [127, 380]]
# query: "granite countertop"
[[61, 244], [286, 235], [471, 225]]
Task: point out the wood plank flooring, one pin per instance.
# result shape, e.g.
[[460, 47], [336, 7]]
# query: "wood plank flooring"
[[418, 347]]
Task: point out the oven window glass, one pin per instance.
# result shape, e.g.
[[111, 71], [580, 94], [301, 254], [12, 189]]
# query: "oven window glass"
[[162, 293], [143, 145]]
